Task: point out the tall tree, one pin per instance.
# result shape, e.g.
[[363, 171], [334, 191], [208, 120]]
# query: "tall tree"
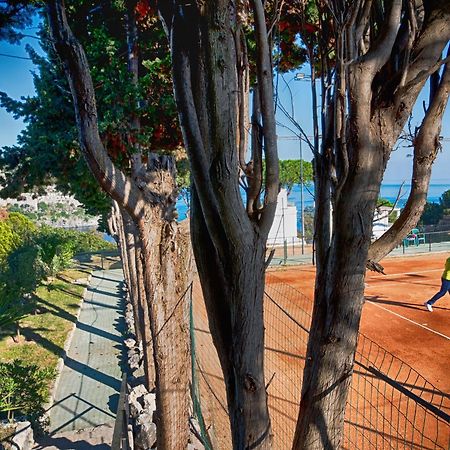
[[384, 52], [229, 238], [147, 191]]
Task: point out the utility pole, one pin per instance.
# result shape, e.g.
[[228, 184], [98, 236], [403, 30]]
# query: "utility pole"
[[301, 197]]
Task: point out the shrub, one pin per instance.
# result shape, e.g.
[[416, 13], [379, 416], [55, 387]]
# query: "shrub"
[[15, 229], [91, 241], [56, 249]]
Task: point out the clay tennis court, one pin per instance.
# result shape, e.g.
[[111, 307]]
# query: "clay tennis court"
[[394, 315], [399, 392]]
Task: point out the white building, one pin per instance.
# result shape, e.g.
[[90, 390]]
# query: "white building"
[[381, 220], [284, 227]]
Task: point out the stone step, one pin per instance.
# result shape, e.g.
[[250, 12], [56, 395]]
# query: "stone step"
[[98, 438]]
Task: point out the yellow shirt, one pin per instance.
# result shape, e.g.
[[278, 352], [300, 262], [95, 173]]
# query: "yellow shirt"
[[446, 273]]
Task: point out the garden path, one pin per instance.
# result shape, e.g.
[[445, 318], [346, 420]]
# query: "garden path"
[[86, 399]]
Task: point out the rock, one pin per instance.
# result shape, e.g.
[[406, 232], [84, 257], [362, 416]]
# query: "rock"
[[145, 437], [23, 438], [129, 343], [136, 400], [134, 361], [135, 407], [149, 401]]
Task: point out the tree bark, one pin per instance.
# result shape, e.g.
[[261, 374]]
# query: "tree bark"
[[149, 197], [147, 343], [233, 296], [168, 295], [338, 300], [229, 244], [350, 170], [130, 231]]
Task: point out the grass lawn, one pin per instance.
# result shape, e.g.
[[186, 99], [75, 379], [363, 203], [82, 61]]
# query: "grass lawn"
[[44, 331]]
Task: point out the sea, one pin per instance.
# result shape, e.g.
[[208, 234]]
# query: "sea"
[[389, 191]]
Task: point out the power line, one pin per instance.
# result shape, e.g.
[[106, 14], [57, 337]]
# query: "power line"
[[14, 56]]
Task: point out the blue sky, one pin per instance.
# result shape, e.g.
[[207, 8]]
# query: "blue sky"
[[16, 81], [400, 165]]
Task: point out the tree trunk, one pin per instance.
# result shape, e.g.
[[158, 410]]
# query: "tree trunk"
[[149, 196], [233, 295], [168, 296], [339, 296], [130, 232], [147, 343]]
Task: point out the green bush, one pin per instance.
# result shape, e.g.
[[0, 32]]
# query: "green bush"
[[10, 311], [14, 231], [56, 249], [24, 391], [24, 270], [91, 241]]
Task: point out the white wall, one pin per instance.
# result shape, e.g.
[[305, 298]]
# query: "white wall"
[[284, 225]]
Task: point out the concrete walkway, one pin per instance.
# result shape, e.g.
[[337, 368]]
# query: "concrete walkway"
[[88, 390]]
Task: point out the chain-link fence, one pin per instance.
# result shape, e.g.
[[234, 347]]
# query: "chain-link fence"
[[390, 405], [291, 252], [418, 242]]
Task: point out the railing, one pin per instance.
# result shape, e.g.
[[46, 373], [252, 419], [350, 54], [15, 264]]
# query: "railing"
[[122, 438], [426, 242]]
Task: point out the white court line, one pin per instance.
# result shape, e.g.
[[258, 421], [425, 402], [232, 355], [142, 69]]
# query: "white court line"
[[401, 284], [409, 320], [383, 277]]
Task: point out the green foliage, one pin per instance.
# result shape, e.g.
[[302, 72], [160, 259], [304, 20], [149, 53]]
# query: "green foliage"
[[432, 214], [48, 151], [445, 200], [24, 391], [14, 231], [384, 202], [31, 255], [308, 218], [10, 312], [24, 270], [91, 241], [14, 16], [7, 240], [290, 173], [56, 250], [393, 216]]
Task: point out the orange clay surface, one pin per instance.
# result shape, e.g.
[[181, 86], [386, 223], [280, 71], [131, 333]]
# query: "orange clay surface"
[[394, 315]]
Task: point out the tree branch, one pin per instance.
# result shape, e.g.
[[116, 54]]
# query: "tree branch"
[[265, 81], [380, 51], [426, 146], [111, 179]]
